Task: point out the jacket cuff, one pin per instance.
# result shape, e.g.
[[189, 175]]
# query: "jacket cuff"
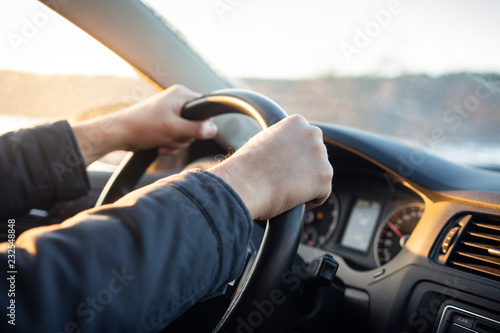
[[65, 163], [40, 165], [231, 221]]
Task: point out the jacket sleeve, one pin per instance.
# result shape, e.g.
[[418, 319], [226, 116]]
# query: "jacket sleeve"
[[40, 165], [132, 266]]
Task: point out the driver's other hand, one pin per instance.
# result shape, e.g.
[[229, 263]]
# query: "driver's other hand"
[[280, 168], [156, 122]]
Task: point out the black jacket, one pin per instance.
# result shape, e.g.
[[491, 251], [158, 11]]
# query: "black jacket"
[[132, 266]]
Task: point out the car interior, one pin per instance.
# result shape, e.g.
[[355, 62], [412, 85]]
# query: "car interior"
[[408, 241]]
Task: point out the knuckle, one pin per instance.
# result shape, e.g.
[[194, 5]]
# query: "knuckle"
[[178, 86], [316, 131], [296, 120], [179, 89], [313, 133], [171, 89], [325, 170], [318, 150]]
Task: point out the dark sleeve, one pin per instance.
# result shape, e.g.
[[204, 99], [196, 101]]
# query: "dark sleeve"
[[132, 266], [40, 165]]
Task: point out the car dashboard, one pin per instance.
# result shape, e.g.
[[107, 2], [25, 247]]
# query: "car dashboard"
[[416, 237], [397, 221], [367, 219]]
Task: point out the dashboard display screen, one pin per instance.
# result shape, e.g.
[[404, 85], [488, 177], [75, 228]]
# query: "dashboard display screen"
[[361, 224]]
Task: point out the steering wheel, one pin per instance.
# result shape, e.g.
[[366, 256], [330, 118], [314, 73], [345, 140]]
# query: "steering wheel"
[[264, 275]]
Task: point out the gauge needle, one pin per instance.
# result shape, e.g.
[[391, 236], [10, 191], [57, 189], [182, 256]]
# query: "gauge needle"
[[396, 230]]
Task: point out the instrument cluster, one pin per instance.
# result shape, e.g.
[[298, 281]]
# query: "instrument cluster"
[[366, 220]]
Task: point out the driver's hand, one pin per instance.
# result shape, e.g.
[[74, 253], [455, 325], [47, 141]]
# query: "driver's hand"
[[280, 168], [156, 122]]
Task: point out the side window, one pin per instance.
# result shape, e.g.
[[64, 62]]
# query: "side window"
[[50, 69]]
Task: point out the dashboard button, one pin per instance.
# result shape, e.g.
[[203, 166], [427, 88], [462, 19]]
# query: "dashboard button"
[[485, 325], [379, 273], [457, 329], [462, 320]]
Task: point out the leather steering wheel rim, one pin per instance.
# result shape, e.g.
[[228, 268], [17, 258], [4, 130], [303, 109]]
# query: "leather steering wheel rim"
[[264, 276]]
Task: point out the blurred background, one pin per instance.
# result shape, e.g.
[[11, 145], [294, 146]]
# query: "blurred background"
[[424, 72]]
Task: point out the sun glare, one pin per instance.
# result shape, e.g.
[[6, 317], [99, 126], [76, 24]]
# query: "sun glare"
[[282, 39], [36, 39]]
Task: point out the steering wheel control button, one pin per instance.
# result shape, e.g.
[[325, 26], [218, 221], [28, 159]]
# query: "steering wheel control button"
[[323, 269], [449, 239], [462, 320]]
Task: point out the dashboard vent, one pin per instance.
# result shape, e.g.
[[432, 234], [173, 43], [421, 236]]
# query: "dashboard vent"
[[477, 249]]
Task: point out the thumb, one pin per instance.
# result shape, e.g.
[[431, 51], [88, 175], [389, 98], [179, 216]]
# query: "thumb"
[[198, 129]]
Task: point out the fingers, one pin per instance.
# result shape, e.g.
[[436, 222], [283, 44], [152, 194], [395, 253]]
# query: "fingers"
[[200, 130], [318, 171], [165, 151], [323, 170], [173, 147]]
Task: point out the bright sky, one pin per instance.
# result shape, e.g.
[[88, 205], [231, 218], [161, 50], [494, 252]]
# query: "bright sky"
[[34, 38], [282, 38]]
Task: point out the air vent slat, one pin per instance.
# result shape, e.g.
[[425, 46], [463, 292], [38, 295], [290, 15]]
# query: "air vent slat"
[[477, 245], [494, 251], [486, 236], [477, 248], [488, 226], [485, 258], [479, 268]]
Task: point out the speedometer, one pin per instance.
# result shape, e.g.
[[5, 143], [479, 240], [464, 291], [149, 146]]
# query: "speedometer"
[[395, 231], [320, 222]]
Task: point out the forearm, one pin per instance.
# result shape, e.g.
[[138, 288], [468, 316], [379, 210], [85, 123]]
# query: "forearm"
[[99, 136], [155, 253]]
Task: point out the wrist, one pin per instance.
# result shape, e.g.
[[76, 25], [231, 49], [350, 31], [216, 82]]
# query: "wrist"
[[99, 136], [233, 172]]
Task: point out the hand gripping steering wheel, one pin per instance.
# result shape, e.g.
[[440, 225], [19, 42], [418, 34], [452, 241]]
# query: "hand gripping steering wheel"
[[264, 275]]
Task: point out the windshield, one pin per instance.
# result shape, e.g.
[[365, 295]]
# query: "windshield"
[[50, 69], [425, 72]]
